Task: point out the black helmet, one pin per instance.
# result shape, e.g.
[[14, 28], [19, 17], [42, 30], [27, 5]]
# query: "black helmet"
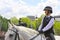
[[48, 8]]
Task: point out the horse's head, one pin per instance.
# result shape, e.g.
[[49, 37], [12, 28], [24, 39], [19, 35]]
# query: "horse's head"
[[10, 34]]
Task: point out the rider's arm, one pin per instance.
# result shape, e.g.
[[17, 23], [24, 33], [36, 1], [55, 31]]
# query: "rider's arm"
[[49, 25]]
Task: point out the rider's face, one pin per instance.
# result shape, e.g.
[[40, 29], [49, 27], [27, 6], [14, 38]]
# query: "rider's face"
[[47, 12]]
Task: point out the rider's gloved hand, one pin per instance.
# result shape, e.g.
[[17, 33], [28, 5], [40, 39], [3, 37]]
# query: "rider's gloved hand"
[[41, 31]]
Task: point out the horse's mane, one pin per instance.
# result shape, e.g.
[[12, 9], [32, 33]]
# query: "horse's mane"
[[27, 30]]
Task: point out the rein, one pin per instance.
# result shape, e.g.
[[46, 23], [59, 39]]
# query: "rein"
[[36, 36]]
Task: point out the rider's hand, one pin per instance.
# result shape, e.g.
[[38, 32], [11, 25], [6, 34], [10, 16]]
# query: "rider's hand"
[[41, 31]]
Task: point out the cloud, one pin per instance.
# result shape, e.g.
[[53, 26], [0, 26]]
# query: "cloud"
[[53, 3], [19, 8]]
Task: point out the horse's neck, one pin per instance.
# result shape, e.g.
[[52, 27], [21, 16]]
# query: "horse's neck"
[[24, 35]]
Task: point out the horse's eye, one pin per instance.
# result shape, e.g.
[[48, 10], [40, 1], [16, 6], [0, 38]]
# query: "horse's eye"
[[10, 35]]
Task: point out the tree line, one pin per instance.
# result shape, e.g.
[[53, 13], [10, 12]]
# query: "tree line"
[[30, 24]]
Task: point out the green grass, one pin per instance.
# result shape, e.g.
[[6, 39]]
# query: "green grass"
[[57, 27]]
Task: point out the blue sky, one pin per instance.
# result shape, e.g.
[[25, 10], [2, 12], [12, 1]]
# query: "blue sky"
[[33, 2], [22, 8]]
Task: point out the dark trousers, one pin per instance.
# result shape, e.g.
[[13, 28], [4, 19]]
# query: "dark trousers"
[[49, 36]]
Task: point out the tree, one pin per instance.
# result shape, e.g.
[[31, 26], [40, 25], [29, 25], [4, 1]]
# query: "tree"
[[3, 24], [14, 20], [26, 20], [57, 27]]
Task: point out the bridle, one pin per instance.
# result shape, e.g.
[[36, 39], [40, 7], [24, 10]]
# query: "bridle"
[[16, 35]]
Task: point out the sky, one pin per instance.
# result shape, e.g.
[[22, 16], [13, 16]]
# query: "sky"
[[22, 8]]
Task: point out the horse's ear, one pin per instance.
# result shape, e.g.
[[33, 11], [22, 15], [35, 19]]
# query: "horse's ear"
[[9, 24], [14, 26]]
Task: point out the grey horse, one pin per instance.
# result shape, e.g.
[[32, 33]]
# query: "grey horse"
[[24, 33]]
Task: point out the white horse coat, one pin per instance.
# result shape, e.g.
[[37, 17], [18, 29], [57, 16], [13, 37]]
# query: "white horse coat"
[[24, 33]]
